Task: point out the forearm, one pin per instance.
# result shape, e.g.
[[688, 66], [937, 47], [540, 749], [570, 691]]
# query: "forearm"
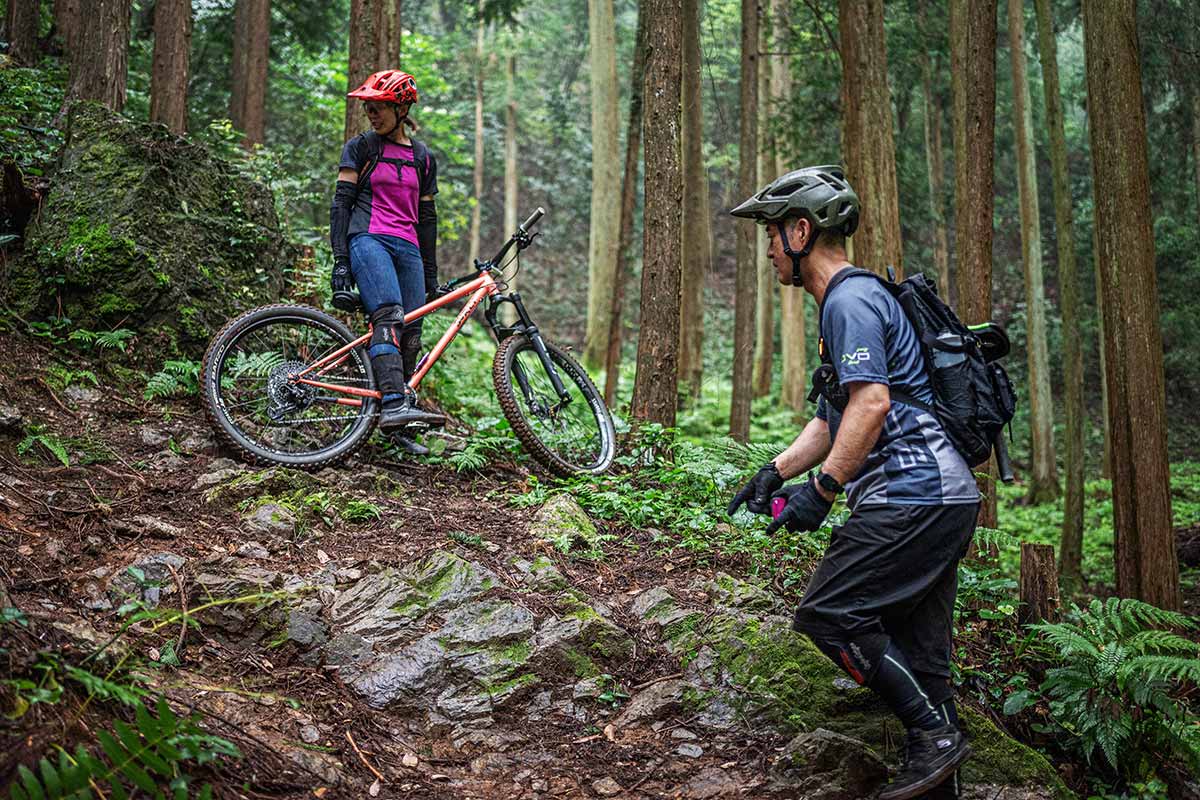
[[339, 220], [860, 427], [427, 240], [810, 447]]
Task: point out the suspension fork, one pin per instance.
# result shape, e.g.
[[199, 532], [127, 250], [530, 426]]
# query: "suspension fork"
[[526, 326]]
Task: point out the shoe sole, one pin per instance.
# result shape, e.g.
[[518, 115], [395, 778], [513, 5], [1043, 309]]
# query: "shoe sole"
[[934, 779]]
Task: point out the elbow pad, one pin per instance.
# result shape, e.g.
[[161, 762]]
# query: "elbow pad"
[[339, 220], [427, 240]]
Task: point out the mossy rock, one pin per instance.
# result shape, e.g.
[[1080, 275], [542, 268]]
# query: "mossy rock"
[[150, 231], [566, 526]]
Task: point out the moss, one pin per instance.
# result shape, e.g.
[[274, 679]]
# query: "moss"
[[1000, 759], [581, 664], [512, 685], [517, 652], [566, 526]]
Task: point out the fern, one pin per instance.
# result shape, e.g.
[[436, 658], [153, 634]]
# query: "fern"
[[35, 435], [175, 378], [147, 757], [103, 340], [478, 451], [749, 455], [1118, 690]]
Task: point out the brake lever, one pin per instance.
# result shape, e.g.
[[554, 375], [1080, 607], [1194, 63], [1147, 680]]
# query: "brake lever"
[[525, 240]]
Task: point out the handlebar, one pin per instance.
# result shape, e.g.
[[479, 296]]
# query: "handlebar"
[[533, 219], [521, 238]]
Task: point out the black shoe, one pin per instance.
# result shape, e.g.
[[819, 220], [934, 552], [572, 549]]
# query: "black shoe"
[[403, 412], [931, 757], [409, 445], [946, 790]]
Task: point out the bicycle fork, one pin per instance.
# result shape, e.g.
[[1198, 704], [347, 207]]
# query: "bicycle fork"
[[526, 326]]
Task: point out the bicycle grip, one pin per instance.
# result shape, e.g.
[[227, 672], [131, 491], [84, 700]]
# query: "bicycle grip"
[[533, 219], [1003, 465]]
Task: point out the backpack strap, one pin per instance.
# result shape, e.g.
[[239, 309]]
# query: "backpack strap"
[[372, 152]]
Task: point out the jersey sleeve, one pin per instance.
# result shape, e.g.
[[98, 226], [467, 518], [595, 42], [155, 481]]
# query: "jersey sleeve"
[[351, 154], [854, 324], [429, 186]]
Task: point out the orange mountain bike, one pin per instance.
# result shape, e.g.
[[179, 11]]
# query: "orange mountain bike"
[[292, 385]]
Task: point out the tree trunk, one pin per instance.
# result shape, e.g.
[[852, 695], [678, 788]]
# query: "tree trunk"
[[1070, 553], [629, 185], [169, 68], [1039, 584], [764, 163], [1147, 568], [387, 37], [477, 183], [792, 341], [655, 387], [1196, 143], [399, 31], [100, 64], [973, 81], [935, 166], [695, 232], [746, 282], [66, 24], [1043, 482], [21, 21], [363, 38], [251, 48], [605, 229], [508, 314], [868, 144]]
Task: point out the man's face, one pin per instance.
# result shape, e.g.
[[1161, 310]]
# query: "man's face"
[[781, 260]]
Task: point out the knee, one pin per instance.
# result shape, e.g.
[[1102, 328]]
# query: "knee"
[[387, 323]]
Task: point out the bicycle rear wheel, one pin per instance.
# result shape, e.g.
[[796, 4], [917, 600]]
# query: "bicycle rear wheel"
[[565, 437], [262, 412]]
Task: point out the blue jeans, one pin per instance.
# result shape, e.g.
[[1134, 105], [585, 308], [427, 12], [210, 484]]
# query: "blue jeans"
[[388, 270]]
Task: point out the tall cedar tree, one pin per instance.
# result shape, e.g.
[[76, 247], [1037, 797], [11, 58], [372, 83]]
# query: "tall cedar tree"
[[629, 185], [695, 232], [604, 231], [1070, 552], [66, 23], [21, 20], [655, 387], [973, 82], [477, 173], [169, 65], [364, 50], [511, 181], [1043, 482], [100, 61], [792, 339], [746, 282], [251, 47], [867, 134], [934, 157], [764, 307], [1146, 563]]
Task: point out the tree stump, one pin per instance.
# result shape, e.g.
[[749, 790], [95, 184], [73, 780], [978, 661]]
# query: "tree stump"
[[1039, 584]]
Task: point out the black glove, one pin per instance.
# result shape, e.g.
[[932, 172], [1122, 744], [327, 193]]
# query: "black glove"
[[805, 508], [342, 279], [756, 494]]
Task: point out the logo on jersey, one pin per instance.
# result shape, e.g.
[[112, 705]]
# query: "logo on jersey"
[[857, 357]]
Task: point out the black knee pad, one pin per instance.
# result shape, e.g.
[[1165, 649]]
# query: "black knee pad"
[[387, 329], [858, 655]]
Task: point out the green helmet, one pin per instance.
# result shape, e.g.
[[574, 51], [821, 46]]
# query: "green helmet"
[[822, 194]]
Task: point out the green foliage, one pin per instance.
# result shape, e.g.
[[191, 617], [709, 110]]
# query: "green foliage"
[[32, 98], [177, 377], [102, 340], [60, 376], [1118, 689], [356, 511], [38, 434], [151, 756]]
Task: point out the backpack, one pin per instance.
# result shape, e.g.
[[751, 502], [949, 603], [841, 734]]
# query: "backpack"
[[973, 398], [374, 154]]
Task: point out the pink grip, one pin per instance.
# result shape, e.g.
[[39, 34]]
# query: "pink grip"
[[777, 506]]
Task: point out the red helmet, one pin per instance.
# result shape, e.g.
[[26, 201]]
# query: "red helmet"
[[388, 86]]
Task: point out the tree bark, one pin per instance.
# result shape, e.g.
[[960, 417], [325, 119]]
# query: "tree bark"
[[792, 338], [477, 174], [387, 40], [1070, 552], [1147, 568], [746, 282], [973, 82], [655, 387], [605, 229], [935, 166], [508, 314], [764, 307], [363, 38], [629, 185], [169, 67], [695, 232], [1043, 480], [251, 48], [868, 142], [21, 21], [66, 24], [1039, 584], [99, 66], [1196, 144]]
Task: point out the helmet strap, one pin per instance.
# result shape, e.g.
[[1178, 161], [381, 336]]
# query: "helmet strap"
[[793, 254]]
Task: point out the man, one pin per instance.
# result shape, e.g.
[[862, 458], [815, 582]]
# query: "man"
[[880, 603]]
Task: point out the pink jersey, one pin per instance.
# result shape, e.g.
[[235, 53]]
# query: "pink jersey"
[[394, 196]]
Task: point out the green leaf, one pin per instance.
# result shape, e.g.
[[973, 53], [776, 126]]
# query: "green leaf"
[[1018, 702], [15, 792], [111, 748], [50, 777], [33, 786]]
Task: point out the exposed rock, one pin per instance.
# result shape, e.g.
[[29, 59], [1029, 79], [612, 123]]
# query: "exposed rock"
[[10, 418], [271, 520], [148, 578], [146, 525], [153, 437], [77, 395], [654, 702], [252, 549], [540, 574], [711, 783], [199, 442], [562, 523], [219, 471], [689, 750], [823, 765], [149, 230], [310, 734], [607, 787]]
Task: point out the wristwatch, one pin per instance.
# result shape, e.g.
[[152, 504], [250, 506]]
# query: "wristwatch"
[[829, 483]]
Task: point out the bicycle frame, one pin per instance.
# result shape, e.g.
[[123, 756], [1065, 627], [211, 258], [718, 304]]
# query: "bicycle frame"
[[477, 289]]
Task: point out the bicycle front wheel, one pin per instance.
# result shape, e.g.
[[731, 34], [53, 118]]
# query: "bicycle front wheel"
[[263, 412], [569, 435]]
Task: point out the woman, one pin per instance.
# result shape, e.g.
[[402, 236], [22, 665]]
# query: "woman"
[[383, 232]]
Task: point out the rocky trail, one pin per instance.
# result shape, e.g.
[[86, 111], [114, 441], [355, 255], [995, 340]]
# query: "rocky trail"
[[396, 629]]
